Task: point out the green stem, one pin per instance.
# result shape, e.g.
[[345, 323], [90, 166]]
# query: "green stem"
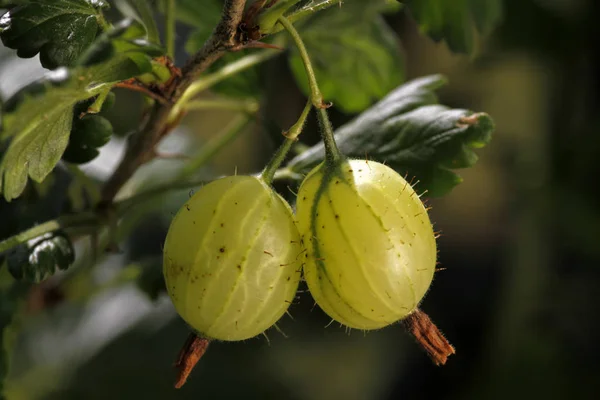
[[170, 28], [332, 153], [291, 137], [96, 106], [145, 12], [315, 92], [304, 12], [103, 22], [249, 106], [309, 10], [86, 222], [208, 151], [67, 221], [227, 71]]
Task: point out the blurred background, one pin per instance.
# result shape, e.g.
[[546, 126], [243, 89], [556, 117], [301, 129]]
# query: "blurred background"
[[519, 246]]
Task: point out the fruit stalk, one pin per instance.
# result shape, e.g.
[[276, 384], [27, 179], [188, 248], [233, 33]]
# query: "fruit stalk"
[[291, 137], [429, 337], [332, 153], [170, 28]]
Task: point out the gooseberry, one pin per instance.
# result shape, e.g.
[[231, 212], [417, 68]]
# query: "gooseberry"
[[232, 259], [371, 249]]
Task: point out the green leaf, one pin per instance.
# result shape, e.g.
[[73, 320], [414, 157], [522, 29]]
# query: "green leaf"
[[243, 85], [456, 21], [125, 41], [59, 30], [411, 134], [199, 14], [203, 16], [141, 11], [354, 66], [40, 258], [39, 117]]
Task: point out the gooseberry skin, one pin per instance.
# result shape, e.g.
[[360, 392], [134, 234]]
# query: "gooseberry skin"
[[231, 259], [371, 249]]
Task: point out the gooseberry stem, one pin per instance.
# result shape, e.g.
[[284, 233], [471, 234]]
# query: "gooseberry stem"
[[428, 336], [315, 92], [332, 153], [191, 352], [291, 137], [211, 79], [170, 28]]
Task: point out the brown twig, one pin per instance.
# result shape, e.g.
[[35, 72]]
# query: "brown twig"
[[132, 84], [193, 349], [156, 126], [422, 328]]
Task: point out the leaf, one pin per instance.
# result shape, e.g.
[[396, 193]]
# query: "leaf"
[[411, 134], [203, 16], [141, 11], [40, 258], [354, 66], [38, 118], [126, 41], [60, 30], [199, 14], [456, 21]]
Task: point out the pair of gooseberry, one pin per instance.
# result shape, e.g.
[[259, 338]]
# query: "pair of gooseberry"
[[361, 236], [234, 252]]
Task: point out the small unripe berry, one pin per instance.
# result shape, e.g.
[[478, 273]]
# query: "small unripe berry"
[[232, 259], [371, 249]]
